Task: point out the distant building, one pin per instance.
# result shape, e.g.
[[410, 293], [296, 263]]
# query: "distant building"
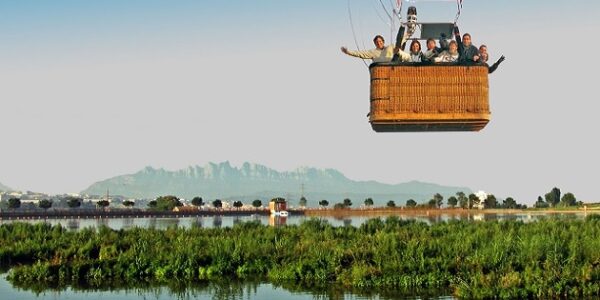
[[278, 206], [186, 208], [15, 195], [33, 196], [482, 196], [31, 201]]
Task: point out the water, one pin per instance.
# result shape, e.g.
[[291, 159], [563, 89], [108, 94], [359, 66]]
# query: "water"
[[209, 291], [229, 221]]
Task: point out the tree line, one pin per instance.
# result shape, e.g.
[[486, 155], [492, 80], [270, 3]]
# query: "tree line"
[[552, 199]]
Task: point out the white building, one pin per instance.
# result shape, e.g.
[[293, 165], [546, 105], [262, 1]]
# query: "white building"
[[482, 196]]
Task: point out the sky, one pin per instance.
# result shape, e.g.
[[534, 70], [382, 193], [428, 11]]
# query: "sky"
[[94, 89]]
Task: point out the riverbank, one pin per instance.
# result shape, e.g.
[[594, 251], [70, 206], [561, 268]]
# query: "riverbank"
[[401, 211], [310, 212], [129, 213], [550, 258]]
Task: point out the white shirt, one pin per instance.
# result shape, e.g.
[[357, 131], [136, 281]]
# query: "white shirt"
[[446, 57], [377, 55]]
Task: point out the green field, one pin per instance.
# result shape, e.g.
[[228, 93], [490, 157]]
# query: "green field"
[[549, 258]]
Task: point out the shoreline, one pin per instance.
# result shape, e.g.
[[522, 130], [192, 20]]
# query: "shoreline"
[[309, 212], [434, 212]]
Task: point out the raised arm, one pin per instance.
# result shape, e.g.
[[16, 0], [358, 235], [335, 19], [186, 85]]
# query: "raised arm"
[[461, 47], [496, 64], [368, 54], [400, 42]]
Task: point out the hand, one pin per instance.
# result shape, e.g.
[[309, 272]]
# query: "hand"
[[476, 58], [456, 30], [502, 58], [344, 50]]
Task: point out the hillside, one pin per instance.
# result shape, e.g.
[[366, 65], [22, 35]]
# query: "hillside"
[[4, 188], [253, 181]]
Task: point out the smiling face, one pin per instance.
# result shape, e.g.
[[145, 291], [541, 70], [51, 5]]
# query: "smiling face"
[[467, 40], [453, 48], [430, 45], [415, 47], [379, 43], [483, 53]]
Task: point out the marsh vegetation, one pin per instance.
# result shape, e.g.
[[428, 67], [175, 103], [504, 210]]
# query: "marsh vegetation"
[[547, 258]]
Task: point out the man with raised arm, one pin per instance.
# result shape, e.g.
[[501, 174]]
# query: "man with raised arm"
[[381, 53], [484, 57], [467, 52]]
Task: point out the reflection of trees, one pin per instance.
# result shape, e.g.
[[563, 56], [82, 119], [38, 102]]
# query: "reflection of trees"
[[335, 292], [237, 220], [224, 290], [339, 218], [152, 223], [347, 222], [330, 292], [100, 222], [73, 224], [127, 223], [217, 221], [197, 222], [169, 222], [227, 291], [434, 218]]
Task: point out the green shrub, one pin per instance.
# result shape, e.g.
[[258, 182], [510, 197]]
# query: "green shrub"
[[550, 258]]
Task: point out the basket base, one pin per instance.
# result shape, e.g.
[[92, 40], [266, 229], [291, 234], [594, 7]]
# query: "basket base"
[[430, 126]]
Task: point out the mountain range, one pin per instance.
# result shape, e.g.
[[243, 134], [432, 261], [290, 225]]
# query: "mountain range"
[[4, 188], [254, 181]]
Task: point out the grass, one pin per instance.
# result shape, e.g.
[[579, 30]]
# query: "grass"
[[551, 258]]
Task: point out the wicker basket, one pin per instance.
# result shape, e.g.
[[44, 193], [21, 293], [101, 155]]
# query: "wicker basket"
[[429, 98]]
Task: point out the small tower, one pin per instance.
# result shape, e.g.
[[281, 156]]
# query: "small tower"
[[278, 207]]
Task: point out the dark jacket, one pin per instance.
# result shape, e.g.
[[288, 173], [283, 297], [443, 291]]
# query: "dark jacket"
[[495, 65], [466, 54]]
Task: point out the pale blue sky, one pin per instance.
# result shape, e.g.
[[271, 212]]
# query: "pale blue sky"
[[94, 89]]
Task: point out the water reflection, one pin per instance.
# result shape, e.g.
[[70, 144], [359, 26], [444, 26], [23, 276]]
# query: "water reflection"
[[217, 221], [152, 223], [73, 224], [229, 221], [198, 222], [237, 220], [275, 221], [127, 223], [167, 222], [101, 222], [347, 222], [213, 291]]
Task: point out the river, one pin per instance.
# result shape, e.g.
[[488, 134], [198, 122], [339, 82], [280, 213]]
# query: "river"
[[209, 291], [228, 221]]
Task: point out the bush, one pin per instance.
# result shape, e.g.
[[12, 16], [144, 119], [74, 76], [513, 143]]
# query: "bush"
[[550, 258]]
